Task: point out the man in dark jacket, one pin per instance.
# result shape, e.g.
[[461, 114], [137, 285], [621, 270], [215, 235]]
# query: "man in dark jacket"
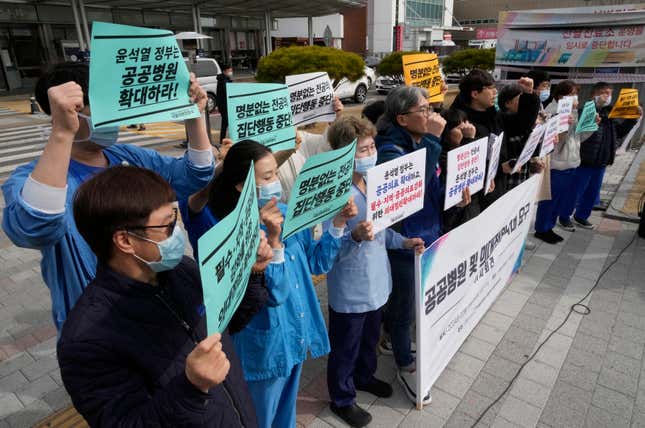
[[220, 98], [133, 351], [596, 153], [409, 124]]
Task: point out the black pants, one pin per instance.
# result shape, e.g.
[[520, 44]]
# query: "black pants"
[[352, 360], [224, 127]]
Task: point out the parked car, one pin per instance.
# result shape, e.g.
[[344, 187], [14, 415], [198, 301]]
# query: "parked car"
[[206, 71], [347, 89], [384, 84]]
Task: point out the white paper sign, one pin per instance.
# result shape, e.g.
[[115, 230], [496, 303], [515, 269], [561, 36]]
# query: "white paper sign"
[[396, 189], [312, 98], [461, 274], [493, 160], [565, 110], [527, 152], [550, 136], [466, 168]]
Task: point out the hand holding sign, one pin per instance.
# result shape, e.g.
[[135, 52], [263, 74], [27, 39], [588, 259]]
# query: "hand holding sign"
[[348, 212], [422, 70], [272, 219], [415, 244], [197, 94], [207, 364], [264, 256], [364, 231], [587, 121]]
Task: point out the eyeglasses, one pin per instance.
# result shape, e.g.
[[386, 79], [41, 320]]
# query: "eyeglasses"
[[170, 226], [426, 110]]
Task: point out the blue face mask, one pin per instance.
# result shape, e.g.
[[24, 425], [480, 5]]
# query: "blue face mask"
[[104, 137], [361, 165], [171, 250], [268, 191], [545, 94]]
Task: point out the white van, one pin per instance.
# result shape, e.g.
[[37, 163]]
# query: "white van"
[[206, 70], [357, 89]]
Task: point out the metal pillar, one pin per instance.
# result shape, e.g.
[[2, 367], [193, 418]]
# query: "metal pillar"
[[86, 28], [310, 30], [77, 23], [195, 11], [267, 32], [227, 45]]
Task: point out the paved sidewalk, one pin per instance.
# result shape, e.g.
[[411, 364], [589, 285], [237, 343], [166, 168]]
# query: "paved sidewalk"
[[588, 374]]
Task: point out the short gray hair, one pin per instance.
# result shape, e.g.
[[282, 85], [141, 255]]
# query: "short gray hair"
[[400, 100]]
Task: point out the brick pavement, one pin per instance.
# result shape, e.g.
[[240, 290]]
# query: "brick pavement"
[[589, 374]]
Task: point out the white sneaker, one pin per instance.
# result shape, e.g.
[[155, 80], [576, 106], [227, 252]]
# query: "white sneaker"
[[408, 380]]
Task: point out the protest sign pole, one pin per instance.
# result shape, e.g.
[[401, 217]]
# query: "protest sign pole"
[[418, 300]]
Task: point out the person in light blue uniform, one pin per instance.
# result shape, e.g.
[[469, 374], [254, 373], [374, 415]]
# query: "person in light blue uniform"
[[358, 286], [39, 195], [276, 341]]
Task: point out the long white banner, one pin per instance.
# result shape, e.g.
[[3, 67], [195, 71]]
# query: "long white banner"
[[461, 274]]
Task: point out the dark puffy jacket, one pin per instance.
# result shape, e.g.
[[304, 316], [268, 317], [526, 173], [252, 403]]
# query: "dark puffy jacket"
[[392, 142], [220, 95], [123, 349], [599, 149]]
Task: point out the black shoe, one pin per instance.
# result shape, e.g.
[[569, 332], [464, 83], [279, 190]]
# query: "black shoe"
[[353, 415], [377, 387], [549, 237]]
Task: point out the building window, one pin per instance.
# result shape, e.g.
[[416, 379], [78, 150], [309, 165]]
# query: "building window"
[[423, 13]]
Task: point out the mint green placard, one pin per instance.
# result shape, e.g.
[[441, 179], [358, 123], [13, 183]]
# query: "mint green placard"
[[587, 121], [137, 75], [226, 254], [261, 112], [321, 189]]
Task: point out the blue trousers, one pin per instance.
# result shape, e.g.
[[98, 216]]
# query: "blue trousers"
[[352, 360], [399, 314], [275, 399], [561, 202], [587, 182]]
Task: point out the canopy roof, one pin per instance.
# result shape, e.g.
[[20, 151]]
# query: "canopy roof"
[[278, 8]]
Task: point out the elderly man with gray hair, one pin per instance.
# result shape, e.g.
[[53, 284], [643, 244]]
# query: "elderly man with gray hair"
[[410, 124]]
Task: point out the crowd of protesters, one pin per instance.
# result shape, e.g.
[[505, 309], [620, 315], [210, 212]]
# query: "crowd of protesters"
[[111, 220]]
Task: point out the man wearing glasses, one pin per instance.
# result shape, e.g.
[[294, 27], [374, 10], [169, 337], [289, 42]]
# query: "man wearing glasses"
[[410, 124]]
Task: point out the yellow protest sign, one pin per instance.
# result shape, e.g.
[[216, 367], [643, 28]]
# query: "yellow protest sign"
[[626, 106], [422, 70]]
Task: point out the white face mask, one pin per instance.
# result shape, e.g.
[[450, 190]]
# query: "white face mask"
[[600, 102]]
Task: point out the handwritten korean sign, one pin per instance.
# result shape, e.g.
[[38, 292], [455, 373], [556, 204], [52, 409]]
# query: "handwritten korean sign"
[[395, 189], [626, 106], [493, 159], [261, 112], [550, 138], [226, 255], [422, 70], [321, 189], [466, 168], [529, 147], [312, 97], [137, 75], [565, 110]]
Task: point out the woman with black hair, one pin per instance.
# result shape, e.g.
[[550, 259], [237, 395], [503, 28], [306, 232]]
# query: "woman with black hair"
[[275, 343]]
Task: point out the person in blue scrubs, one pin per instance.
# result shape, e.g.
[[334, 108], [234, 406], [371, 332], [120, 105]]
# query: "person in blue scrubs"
[[276, 341], [39, 195], [358, 286]]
